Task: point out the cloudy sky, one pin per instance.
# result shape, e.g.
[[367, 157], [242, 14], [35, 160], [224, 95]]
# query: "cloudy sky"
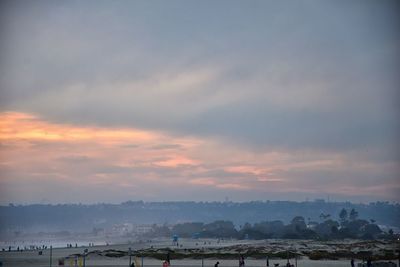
[[106, 101]]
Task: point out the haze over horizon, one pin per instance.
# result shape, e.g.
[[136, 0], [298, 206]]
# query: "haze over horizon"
[[109, 101]]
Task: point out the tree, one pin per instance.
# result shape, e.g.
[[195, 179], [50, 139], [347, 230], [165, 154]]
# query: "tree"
[[343, 216], [353, 215], [370, 231], [355, 228], [327, 228], [187, 229], [269, 229], [298, 220], [324, 217], [224, 229], [296, 228], [247, 226]]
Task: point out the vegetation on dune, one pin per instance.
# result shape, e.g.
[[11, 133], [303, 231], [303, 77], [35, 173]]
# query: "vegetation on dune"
[[348, 226], [256, 252]]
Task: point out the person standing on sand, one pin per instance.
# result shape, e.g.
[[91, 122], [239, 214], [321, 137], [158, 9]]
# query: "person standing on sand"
[[216, 265], [352, 262], [168, 260], [241, 261]]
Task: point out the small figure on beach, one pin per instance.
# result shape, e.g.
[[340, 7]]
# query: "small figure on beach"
[[165, 264], [352, 262], [168, 260], [241, 261], [369, 263], [216, 265]]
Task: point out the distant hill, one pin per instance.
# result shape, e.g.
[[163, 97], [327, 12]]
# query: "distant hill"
[[79, 217]]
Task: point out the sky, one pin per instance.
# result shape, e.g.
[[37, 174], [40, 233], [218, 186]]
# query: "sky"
[[108, 101]]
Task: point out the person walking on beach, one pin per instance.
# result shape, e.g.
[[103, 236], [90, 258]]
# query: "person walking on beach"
[[241, 261], [352, 262], [216, 265]]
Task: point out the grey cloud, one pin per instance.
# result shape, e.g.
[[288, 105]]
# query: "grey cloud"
[[166, 146], [265, 75], [74, 159], [220, 174], [130, 146]]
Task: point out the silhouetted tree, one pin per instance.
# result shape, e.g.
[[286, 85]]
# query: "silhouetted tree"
[[353, 215], [326, 228], [324, 217], [187, 229], [219, 229], [370, 231], [343, 216], [299, 223]]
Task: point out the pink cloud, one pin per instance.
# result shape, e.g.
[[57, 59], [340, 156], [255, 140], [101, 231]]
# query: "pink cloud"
[[140, 163], [233, 186], [176, 160], [203, 181]]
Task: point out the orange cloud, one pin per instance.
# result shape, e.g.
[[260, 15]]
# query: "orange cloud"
[[245, 170], [136, 162], [202, 181], [22, 126], [235, 186], [35, 148], [206, 181], [176, 160]]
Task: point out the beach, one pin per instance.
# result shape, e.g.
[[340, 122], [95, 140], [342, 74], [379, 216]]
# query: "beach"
[[203, 252]]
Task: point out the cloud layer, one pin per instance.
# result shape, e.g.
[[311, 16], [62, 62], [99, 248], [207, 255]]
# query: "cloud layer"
[[257, 99], [62, 163]]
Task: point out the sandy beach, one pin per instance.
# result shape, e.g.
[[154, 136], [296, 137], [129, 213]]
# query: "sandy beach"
[[228, 250]]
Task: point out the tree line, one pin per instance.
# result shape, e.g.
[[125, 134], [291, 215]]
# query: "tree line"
[[83, 218], [349, 225]]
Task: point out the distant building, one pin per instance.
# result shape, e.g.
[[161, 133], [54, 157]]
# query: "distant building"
[[142, 229], [122, 229]]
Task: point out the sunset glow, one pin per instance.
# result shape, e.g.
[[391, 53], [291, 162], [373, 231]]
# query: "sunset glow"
[[172, 100], [132, 160], [17, 126]]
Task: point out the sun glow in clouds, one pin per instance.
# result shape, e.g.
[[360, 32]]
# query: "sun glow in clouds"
[[22, 126], [61, 161]]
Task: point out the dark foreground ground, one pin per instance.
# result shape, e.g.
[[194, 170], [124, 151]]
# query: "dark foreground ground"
[[206, 252]]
